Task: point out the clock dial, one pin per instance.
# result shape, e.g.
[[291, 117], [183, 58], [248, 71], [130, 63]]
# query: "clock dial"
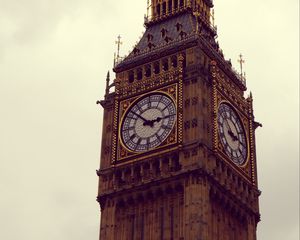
[[232, 134], [148, 122]]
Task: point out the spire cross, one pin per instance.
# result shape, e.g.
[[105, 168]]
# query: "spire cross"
[[119, 43], [241, 61]]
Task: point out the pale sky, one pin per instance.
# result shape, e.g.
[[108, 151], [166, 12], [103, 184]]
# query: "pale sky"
[[54, 56]]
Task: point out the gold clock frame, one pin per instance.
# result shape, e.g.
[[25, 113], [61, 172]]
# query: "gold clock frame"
[[223, 90], [123, 153], [245, 126]]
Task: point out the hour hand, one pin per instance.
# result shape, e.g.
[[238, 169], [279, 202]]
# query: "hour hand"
[[232, 135], [158, 119], [139, 116]]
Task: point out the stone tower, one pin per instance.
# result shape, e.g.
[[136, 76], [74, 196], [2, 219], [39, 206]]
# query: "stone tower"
[[178, 158]]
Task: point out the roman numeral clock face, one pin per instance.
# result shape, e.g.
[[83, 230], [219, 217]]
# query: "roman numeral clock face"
[[232, 134], [148, 122]]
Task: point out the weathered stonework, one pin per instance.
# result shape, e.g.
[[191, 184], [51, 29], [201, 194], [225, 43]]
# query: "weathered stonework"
[[187, 188]]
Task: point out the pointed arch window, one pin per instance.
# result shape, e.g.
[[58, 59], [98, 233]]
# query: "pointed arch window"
[[156, 68], [131, 76], [175, 5], [181, 3], [158, 9], [148, 70], [164, 8], [174, 61], [165, 64], [170, 6], [139, 74]]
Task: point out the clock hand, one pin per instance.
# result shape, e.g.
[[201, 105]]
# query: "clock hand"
[[230, 132], [232, 135], [146, 122], [158, 119], [228, 126]]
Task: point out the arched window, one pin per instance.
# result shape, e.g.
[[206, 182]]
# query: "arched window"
[[170, 6], [158, 9], [148, 71], [131, 76], [174, 61], [139, 74], [175, 5], [181, 3], [156, 68], [165, 65], [164, 8]]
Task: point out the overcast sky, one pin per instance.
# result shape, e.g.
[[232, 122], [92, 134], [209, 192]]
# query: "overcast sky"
[[54, 55]]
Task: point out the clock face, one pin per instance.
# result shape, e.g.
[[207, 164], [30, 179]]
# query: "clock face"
[[232, 134], [148, 122]]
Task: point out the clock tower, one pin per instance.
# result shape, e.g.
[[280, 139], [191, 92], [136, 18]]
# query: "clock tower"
[[178, 158]]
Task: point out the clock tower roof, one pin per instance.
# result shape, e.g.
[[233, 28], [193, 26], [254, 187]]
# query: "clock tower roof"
[[162, 36], [189, 24], [171, 24]]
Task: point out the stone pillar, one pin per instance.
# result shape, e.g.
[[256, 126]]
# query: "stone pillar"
[[196, 209], [108, 221]]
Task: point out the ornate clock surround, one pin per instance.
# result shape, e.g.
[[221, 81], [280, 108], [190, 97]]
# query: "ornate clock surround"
[[244, 123], [127, 93], [122, 152], [224, 90]]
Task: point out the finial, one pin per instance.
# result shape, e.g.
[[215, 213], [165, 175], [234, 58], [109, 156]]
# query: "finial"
[[148, 7], [213, 17], [107, 83], [114, 59], [119, 43], [241, 61], [197, 15]]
